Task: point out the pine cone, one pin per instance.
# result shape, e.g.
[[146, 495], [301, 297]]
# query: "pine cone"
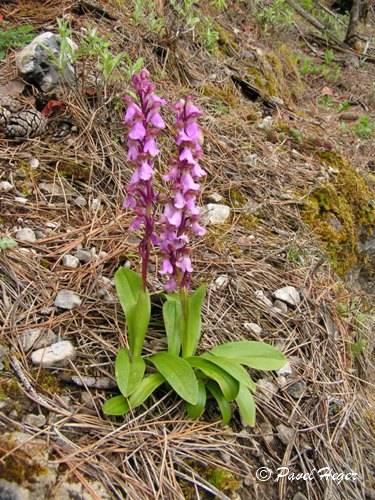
[[8, 105], [24, 124]]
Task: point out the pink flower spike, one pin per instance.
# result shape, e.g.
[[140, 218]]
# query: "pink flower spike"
[[184, 263], [157, 121], [150, 147], [166, 267], [179, 200], [132, 111], [137, 131], [188, 183], [186, 155], [145, 171]]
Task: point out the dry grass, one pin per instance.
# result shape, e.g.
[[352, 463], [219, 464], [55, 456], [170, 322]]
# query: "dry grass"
[[156, 452]]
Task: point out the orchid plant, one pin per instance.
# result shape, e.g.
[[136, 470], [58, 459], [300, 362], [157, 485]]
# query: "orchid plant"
[[220, 372]]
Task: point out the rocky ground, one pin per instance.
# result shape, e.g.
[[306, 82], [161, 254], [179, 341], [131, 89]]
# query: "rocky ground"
[[289, 127]]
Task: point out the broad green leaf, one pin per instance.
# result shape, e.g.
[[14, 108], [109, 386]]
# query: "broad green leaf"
[[233, 368], [116, 406], [138, 323], [172, 315], [179, 375], [195, 411], [7, 242], [128, 373], [148, 385], [257, 355], [228, 385], [246, 405], [193, 325], [128, 285], [224, 405]]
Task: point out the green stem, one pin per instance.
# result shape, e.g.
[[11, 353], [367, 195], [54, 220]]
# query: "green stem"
[[185, 316]]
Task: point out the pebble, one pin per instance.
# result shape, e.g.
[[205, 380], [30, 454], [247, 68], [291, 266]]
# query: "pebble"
[[80, 201], [66, 299], [215, 197], [252, 160], [52, 189], [281, 381], [265, 124], [253, 328], [46, 310], [26, 235], [285, 434], [299, 496], [39, 234], [267, 388], [285, 370], [70, 261], [35, 420], [6, 186], [84, 256], [20, 199], [262, 297], [58, 353], [297, 389], [221, 282], [288, 294], [280, 306], [37, 338], [214, 213], [95, 205], [34, 163], [13, 491], [97, 382]]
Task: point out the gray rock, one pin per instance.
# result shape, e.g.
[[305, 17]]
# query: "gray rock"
[[221, 282], [285, 370], [267, 388], [95, 204], [70, 261], [252, 160], [84, 256], [66, 299], [37, 338], [285, 434], [26, 235], [68, 491], [280, 306], [288, 294], [297, 389], [97, 382], [299, 496], [214, 213], [6, 186], [215, 197], [36, 62], [253, 328], [12, 491], [35, 420], [80, 201], [20, 199], [259, 294], [56, 354], [265, 124]]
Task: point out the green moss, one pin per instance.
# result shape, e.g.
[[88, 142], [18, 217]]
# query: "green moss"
[[226, 40], [248, 221], [9, 388], [18, 466], [47, 381], [339, 210], [74, 171], [225, 94]]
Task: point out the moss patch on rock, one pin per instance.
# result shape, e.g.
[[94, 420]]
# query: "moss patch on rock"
[[340, 211]]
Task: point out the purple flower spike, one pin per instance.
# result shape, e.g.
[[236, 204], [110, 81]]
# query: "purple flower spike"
[[144, 122], [180, 219]]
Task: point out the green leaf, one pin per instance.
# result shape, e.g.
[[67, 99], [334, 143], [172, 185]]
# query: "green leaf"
[[7, 242], [116, 406], [128, 285], [195, 411], [194, 322], [138, 323], [145, 389], [224, 405], [228, 385], [128, 373], [246, 405], [233, 368], [257, 355], [172, 314], [179, 375]]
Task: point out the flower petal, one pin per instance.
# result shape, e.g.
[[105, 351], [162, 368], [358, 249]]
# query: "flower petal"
[[137, 131]]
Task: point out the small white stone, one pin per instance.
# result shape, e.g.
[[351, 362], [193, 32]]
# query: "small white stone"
[[102, 254], [285, 434], [259, 294], [253, 328], [70, 261], [265, 124], [281, 381], [288, 294], [280, 306], [215, 197], [95, 204], [252, 160], [52, 189], [285, 370], [35, 420], [52, 225], [37, 338], [58, 353], [20, 199], [221, 282], [84, 256], [34, 163], [80, 201], [214, 213], [26, 235], [6, 186], [267, 388], [66, 299]]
